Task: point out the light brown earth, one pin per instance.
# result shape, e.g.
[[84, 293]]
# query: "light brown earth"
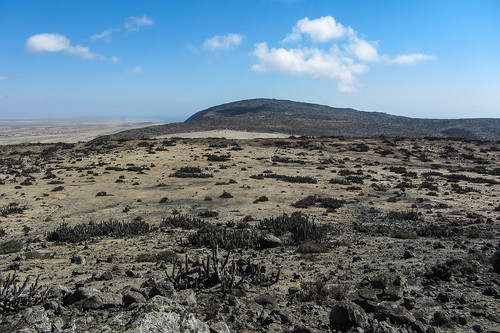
[[387, 176], [72, 130]]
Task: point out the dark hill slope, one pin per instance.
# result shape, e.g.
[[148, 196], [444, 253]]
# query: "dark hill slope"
[[295, 118]]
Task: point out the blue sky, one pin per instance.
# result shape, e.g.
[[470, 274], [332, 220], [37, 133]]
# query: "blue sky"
[[169, 59]]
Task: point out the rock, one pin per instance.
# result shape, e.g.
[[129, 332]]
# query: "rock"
[[392, 284], [266, 300], [284, 315], [78, 259], [441, 318], [397, 315], [106, 276], [303, 329], [57, 292], [269, 241], [102, 301], [443, 298], [132, 297], [162, 315], [93, 299], [380, 327], [186, 297], [346, 315], [409, 303], [495, 261], [130, 273], [36, 318], [162, 288], [408, 254], [219, 327]]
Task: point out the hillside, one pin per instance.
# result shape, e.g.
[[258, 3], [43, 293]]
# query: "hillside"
[[296, 118]]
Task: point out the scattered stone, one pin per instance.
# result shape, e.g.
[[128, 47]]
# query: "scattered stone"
[[269, 241], [105, 276], [219, 327], [161, 314], [78, 259], [408, 254], [93, 299], [132, 297], [346, 315], [397, 315], [186, 297], [266, 300]]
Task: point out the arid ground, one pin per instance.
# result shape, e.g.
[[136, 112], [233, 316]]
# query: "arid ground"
[[71, 130], [389, 235]]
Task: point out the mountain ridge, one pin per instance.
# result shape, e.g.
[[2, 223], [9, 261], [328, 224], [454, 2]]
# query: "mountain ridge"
[[308, 119]]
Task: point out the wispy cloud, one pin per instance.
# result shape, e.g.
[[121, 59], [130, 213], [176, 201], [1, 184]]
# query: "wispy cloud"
[[6, 77], [223, 42], [412, 58], [105, 36], [347, 56], [136, 70], [115, 59], [135, 23]]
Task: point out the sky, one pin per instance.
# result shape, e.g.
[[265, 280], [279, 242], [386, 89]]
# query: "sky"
[[169, 59]]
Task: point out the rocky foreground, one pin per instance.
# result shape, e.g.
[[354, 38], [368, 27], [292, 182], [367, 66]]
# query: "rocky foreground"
[[270, 235]]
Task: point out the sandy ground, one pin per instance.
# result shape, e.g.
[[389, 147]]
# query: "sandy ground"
[[69, 131], [133, 180], [226, 134]]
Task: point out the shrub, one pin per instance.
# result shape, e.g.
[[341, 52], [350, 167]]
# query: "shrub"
[[218, 158], [184, 222], [84, 232], [290, 179], [190, 172], [14, 298], [225, 238], [12, 208], [11, 246], [208, 213], [301, 226]]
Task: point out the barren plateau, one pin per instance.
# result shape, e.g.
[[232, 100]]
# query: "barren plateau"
[[251, 235]]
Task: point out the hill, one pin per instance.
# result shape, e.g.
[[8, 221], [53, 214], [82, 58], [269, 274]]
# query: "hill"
[[297, 118]]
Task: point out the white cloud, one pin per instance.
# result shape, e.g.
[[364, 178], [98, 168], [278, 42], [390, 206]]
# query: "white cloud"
[[136, 70], [47, 43], [5, 77], [134, 23], [412, 58], [323, 29], [223, 42], [363, 50], [317, 63], [57, 43], [341, 62], [105, 36], [115, 59]]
